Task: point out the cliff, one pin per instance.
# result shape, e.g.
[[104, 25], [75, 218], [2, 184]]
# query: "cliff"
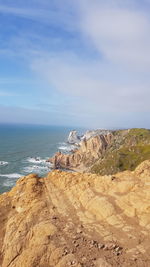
[[93, 133], [74, 219], [108, 153], [89, 151], [128, 149], [73, 138]]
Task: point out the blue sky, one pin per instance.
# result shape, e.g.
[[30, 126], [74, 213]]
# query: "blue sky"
[[79, 62]]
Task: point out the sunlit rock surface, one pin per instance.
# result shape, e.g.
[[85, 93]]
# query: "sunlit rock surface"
[[107, 153], [75, 219], [89, 151]]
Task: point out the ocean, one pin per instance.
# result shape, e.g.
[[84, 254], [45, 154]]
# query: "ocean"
[[24, 149]]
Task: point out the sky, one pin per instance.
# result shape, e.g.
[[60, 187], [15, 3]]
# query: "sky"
[[75, 62]]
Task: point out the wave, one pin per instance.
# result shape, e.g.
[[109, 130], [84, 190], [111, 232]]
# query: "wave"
[[9, 183], [3, 163], [62, 143], [37, 160], [37, 169], [66, 148], [11, 175]]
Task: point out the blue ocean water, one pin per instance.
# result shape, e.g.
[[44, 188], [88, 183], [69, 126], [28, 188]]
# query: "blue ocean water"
[[24, 149]]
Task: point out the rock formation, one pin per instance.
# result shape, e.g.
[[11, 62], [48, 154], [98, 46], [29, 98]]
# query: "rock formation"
[[88, 152], [107, 153], [73, 138], [74, 219], [93, 133]]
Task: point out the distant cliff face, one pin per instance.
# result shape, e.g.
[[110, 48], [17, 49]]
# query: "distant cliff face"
[[108, 153], [93, 133], [73, 138], [81, 220], [89, 151], [128, 149]]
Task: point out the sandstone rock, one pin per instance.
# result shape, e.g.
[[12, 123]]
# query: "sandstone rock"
[[102, 263], [89, 151], [34, 233], [106, 152], [79, 231]]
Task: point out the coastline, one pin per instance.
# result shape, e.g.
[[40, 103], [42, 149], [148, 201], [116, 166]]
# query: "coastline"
[[106, 153]]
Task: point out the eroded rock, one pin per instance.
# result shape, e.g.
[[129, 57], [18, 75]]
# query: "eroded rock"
[[95, 221], [88, 152]]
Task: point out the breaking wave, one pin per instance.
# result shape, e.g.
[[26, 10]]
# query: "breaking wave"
[[11, 175], [36, 160], [66, 148], [36, 169], [3, 163]]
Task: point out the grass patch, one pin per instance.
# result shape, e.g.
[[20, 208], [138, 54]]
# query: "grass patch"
[[128, 150]]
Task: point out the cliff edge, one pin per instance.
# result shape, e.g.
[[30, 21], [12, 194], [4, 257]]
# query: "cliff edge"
[[76, 219], [108, 152]]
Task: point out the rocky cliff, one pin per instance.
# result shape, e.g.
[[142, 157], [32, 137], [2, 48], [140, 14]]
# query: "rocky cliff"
[[74, 219], [73, 138], [127, 150], [89, 151], [93, 133], [108, 153]]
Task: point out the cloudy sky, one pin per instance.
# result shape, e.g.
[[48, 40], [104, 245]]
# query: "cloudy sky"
[[75, 62]]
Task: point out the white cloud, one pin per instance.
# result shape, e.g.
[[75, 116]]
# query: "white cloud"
[[109, 82], [85, 80], [122, 35]]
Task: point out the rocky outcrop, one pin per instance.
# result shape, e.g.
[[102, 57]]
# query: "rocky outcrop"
[[88, 152], [107, 153], [73, 138], [128, 149], [93, 133], [74, 219]]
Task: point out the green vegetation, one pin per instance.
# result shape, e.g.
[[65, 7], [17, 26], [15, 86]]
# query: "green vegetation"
[[128, 149]]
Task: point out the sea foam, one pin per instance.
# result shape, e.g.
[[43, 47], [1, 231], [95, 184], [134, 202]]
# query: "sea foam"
[[11, 175], [36, 169], [3, 163], [36, 160], [66, 148], [9, 183]]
